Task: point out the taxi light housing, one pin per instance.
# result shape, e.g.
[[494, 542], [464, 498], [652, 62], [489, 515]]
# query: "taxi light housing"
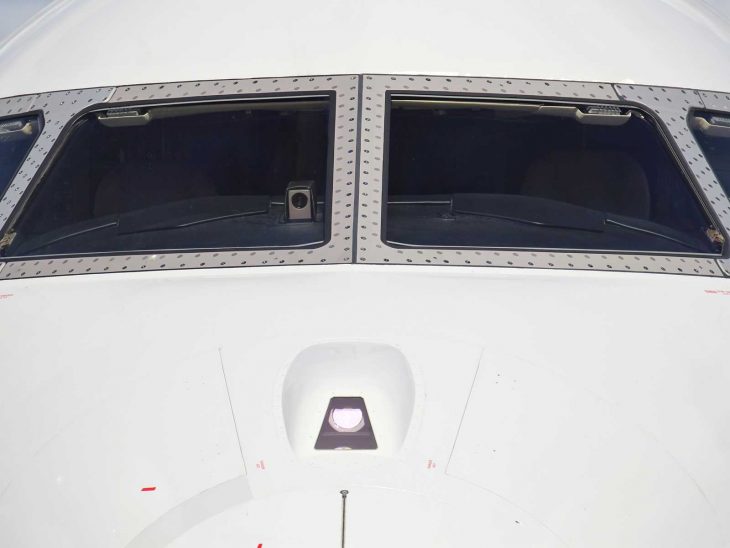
[[346, 425]]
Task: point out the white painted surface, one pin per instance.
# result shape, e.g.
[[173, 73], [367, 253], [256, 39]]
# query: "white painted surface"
[[609, 419], [720, 7], [81, 438], [15, 13], [549, 408], [585, 465], [88, 43]]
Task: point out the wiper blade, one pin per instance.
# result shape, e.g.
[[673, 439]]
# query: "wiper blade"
[[547, 213], [634, 228], [529, 210], [102, 226], [206, 220], [169, 216], [520, 220], [189, 213]]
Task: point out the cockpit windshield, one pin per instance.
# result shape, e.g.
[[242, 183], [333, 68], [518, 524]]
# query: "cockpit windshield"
[[245, 174], [475, 174]]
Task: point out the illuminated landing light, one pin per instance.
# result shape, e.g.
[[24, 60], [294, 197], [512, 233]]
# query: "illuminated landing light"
[[347, 419], [346, 425]]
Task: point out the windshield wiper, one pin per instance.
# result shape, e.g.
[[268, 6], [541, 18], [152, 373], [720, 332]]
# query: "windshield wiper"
[[206, 220], [548, 213], [156, 228], [634, 228], [170, 216], [189, 213], [77, 233], [566, 226], [528, 210]]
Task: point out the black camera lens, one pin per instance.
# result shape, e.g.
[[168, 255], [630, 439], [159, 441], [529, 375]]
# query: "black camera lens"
[[299, 200]]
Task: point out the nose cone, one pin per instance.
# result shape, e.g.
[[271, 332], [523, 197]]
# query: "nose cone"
[[392, 518], [386, 518]]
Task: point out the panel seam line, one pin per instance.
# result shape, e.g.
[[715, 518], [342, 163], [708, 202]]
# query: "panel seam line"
[[463, 413], [233, 414]]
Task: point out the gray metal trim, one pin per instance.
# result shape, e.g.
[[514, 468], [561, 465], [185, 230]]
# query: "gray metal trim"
[[718, 101], [372, 249], [671, 105], [715, 100], [16, 105], [60, 108]]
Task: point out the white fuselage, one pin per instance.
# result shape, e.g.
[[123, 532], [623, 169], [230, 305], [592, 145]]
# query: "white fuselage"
[[559, 408]]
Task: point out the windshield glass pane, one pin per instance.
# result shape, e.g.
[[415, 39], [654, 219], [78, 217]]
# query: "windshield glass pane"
[[472, 174], [204, 176], [17, 135]]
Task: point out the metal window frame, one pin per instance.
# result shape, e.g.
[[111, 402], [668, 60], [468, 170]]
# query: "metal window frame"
[[61, 109], [719, 102], [662, 102], [357, 170]]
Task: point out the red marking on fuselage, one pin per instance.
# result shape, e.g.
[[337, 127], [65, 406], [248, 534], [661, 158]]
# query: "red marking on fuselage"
[[148, 489], [717, 291]]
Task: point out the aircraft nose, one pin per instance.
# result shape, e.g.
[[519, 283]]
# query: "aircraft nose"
[[459, 516], [360, 517]]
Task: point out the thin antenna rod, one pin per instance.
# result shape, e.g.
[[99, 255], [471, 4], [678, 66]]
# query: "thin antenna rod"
[[344, 493]]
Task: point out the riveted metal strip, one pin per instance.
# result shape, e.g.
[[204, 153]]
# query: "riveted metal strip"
[[58, 109], [337, 250], [714, 100], [372, 249], [673, 106], [16, 105]]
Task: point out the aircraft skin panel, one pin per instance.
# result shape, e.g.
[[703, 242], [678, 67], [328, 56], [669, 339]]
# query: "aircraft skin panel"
[[152, 437], [645, 414], [517, 406], [371, 391], [656, 42]]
